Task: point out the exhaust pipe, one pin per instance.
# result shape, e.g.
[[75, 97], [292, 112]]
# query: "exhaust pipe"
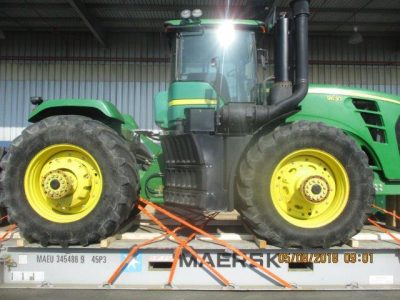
[[301, 12], [281, 67], [282, 88]]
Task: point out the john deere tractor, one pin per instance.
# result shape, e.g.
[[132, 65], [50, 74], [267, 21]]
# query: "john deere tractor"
[[301, 164]]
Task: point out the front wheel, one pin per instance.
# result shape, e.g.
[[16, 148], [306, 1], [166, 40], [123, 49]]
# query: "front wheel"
[[69, 180], [305, 185]]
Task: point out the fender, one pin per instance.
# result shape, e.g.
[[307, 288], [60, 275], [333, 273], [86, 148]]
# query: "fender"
[[107, 113], [96, 109], [100, 110]]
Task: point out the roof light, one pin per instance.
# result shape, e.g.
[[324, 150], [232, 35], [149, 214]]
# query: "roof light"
[[185, 14], [356, 37], [197, 13], [226, 33]]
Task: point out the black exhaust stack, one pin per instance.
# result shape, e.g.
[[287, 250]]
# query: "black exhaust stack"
[[282, 88], [283, 99], [300, 12], [282, 50]]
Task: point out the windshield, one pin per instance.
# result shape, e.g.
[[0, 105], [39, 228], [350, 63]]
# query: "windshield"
[[227, 60]]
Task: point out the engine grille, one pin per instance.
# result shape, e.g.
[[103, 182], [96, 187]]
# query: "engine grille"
[[369, 111]]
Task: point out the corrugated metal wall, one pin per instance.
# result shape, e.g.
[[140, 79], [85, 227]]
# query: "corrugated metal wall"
[[374, 64], [128, 73], [135, 67]]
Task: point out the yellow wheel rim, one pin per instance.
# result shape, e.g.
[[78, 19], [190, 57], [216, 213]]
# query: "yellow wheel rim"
[[309, 188], [63, 183]]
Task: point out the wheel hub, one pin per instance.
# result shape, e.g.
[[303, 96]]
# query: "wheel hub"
[[63, 183], [57, 184], [309, 188], [315, 189]]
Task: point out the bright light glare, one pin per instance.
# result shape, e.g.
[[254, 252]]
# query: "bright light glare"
[[226, 33]]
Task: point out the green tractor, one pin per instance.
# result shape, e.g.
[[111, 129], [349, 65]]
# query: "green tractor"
[[301, 164]]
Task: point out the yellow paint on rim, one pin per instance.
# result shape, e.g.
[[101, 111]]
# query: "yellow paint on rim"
[[192, 102], [297, 169], [80, 169], [336, 91]]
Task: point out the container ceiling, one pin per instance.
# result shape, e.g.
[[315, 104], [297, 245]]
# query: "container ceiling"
[[104, 16]]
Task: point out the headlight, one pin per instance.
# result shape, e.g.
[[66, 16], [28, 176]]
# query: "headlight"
[[197, 13], [185, 14]]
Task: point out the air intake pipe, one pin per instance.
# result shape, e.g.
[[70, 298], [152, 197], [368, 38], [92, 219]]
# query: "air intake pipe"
[[300, 11], [232, 119], [282, 88]]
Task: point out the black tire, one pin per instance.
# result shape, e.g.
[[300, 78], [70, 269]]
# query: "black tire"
[[117, 164], [3, 211], [3, 214], [253, 192]]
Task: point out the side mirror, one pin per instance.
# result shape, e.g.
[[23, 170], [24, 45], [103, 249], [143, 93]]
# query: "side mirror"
[[262, 55], [36, 100]]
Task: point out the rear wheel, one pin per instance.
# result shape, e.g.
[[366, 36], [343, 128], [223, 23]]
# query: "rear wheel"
[[305, 185], [3, 211], [69, 180]]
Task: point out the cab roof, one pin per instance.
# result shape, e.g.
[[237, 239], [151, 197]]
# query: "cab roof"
[[182, 24]]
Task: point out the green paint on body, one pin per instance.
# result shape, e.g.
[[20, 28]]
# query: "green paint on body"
[[161, 109], [170, 106]]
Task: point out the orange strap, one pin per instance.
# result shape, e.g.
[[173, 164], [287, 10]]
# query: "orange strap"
[[178, 250], [10, 228], [181, 242], [384, 230], [132, 252], [218, 241], [386, 211], [381, 228]]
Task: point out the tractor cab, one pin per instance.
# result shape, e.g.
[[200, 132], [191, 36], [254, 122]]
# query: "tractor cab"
[[214, 62], [220, 54]]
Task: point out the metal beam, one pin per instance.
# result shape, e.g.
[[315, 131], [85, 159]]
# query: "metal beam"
[[133, 21], [368, 33], [154, 7], [386, 11], [89, 21], [37, 5], [352, 23], [13, 20], [143, 20]]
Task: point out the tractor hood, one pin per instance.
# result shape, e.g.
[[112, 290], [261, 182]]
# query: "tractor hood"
[[371, 118], [334, 93]]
